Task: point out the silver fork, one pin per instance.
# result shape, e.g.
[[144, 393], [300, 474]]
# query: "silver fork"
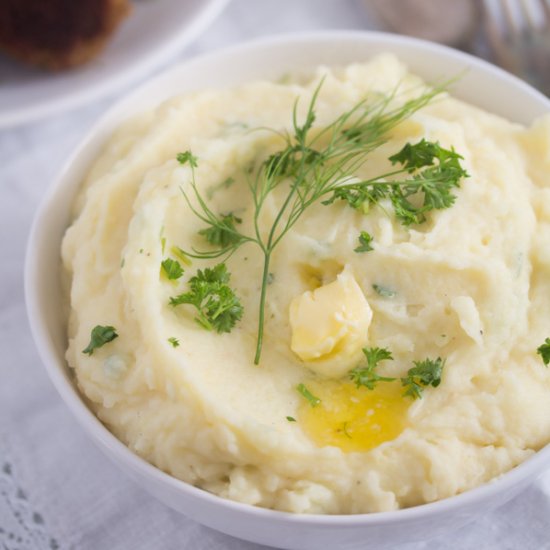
[[519, 36]]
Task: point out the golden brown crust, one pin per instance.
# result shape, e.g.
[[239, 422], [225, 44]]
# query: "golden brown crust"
[[82, 48]]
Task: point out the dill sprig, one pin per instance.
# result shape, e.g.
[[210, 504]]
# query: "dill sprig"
[[316, 163]]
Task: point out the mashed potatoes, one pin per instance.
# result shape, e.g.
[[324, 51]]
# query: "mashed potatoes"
[[470, 285]]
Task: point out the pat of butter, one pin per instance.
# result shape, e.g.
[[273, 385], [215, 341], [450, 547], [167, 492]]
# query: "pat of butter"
[[330, 325]]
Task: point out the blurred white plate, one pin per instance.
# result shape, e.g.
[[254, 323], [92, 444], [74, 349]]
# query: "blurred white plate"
[[155, 30]]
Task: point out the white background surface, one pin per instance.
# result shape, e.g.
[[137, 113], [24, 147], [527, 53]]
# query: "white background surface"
[[57, 491]]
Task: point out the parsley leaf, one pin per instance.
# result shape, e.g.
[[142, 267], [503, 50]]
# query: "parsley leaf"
[[291, 419], [544, 351], [100, 336], [224, 232], [434, 171], [441, 172], [218, 308], [187, 157], [365, 375], [174, 341], [365, 240], [304, 392], [172, 269], [424, 373]]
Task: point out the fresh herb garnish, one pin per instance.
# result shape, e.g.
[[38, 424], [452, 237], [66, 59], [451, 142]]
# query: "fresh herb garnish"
[[384, 291], [187, 157], [314, 165], [223, 234], [365, 375], [365, 240], [544, 351], [291, 419], [100, 336], [304, 392], [174, 341], [434, 172], [218, 308], [172, 269], [424, 373]]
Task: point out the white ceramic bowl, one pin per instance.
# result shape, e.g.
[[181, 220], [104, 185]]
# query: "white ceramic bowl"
[[481, 84]]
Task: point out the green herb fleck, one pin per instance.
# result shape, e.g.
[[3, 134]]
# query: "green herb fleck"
[[424, 373], [174, 341], [100, 336], [302, 390], [384, 291], [187, 156], [291, 419], [365, 375], [224, 233], [218, 308], [172, 269], [365, 240], [544, 351]]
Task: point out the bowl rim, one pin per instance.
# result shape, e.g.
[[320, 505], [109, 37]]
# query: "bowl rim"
[[534, 465]]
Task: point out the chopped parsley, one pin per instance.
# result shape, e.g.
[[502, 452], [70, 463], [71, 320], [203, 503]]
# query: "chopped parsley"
[[304, 392], [100, 336], [291, 419], [433, 173], [365, 240], [187, 157], [172, 269], [365, 375], [218, 308], [174, 341], [423, 374], [544, 351]]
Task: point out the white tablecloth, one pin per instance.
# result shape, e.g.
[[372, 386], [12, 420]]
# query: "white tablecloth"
[[57, 490]]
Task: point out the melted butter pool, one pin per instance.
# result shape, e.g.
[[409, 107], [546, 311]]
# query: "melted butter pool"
[[354, 419]]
